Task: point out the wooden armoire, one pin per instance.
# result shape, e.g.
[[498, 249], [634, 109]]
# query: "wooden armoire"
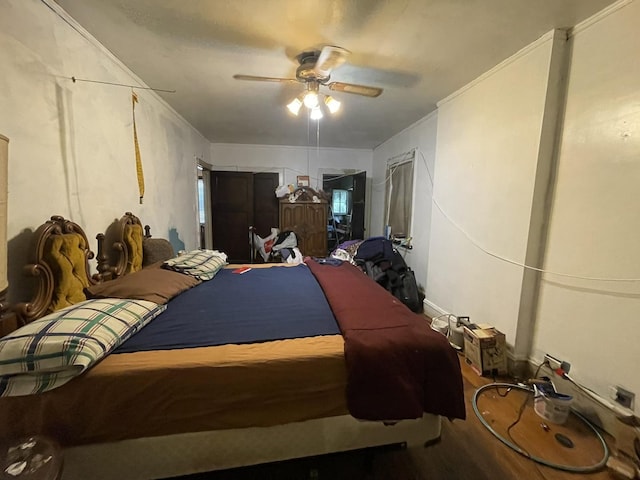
[[309, 221]]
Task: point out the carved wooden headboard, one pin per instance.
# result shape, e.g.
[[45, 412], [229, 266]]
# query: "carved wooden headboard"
[[59, 260], [120, 249], [125, 249]]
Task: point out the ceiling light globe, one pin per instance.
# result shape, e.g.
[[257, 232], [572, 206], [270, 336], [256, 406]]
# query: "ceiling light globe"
[[316, 113], [332, 104], [294, 106], [311, 100]]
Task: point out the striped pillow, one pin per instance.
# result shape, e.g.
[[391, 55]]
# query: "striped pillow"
[[202, 264], [49, 352]]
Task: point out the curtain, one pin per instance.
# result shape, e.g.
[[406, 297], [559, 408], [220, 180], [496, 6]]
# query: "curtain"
[[400, 197]]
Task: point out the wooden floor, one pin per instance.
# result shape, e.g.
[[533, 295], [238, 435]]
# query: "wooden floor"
[[467, 449]]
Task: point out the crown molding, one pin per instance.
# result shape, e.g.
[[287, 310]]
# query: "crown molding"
[[601, 15], [547, 37]]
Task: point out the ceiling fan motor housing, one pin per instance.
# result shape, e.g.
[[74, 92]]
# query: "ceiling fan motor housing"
[[315, 70], [305, 72]]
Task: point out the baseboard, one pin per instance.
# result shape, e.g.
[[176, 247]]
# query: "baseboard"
[[432, 310], [514, 367]]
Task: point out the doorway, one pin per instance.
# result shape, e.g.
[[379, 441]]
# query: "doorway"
[[240, 200], [346, 207]]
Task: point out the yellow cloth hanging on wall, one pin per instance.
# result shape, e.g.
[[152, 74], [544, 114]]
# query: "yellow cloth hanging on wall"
[[139, 171]]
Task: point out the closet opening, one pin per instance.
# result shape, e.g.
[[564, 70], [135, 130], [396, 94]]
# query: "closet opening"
[[346, 207]]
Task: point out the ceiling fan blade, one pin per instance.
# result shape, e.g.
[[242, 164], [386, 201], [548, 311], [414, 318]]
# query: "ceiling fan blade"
[[263, 79], [330, 57], [354, 88]]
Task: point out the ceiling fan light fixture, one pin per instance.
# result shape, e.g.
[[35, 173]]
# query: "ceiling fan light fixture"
[[316, 113], [294, 106], [314, 70], [332, 104]]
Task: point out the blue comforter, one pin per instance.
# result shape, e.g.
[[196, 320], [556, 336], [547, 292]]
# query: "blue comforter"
[[260, 305]]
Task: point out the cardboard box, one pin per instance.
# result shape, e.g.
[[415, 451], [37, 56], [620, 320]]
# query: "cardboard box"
[[485, 349]]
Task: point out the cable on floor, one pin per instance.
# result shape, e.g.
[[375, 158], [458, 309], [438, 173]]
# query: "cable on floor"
[[567, 468]]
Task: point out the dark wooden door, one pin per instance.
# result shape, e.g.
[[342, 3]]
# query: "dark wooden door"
[[316, 230], [309, 221], [232, 213], [265, 207], [293, 217], [357, 209]]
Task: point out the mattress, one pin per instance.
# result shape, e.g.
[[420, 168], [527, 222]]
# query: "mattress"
[[145, 394]]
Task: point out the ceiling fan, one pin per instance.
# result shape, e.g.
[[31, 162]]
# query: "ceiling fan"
[[315, 70]]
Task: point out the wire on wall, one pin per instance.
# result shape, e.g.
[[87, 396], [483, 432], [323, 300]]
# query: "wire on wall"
[[396, 159], [92, 41], [115, 84], [338, 177], [508, 260]]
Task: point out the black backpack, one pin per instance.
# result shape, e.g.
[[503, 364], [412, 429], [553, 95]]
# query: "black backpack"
[[401, 282], [385, 265]]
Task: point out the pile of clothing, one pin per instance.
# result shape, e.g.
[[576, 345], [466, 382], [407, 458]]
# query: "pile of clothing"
[[278, 246]]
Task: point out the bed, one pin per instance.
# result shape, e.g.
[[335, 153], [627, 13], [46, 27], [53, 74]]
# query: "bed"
[[147, 413]]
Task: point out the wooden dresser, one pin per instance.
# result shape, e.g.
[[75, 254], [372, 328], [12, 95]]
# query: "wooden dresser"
[[309, 221]]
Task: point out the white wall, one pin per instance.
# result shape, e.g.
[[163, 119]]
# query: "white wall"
[[595, 219], [501, 177], [71, 144], [422, 137], [486, 160], [289, 162]]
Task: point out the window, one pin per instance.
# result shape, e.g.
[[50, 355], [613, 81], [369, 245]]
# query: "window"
[[201, 200], [399, 196], [340, 202]]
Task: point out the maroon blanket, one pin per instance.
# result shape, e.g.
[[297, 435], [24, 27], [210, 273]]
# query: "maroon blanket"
[[398, 367]]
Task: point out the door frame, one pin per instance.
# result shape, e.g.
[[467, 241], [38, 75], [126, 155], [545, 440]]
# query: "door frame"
[[351, 172], [206, 175], [204, 172]]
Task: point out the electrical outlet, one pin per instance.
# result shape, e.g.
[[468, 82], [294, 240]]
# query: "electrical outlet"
[[555, 363], [624, 397]]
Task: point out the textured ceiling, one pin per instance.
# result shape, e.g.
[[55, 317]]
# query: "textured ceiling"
[[418, 51]]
